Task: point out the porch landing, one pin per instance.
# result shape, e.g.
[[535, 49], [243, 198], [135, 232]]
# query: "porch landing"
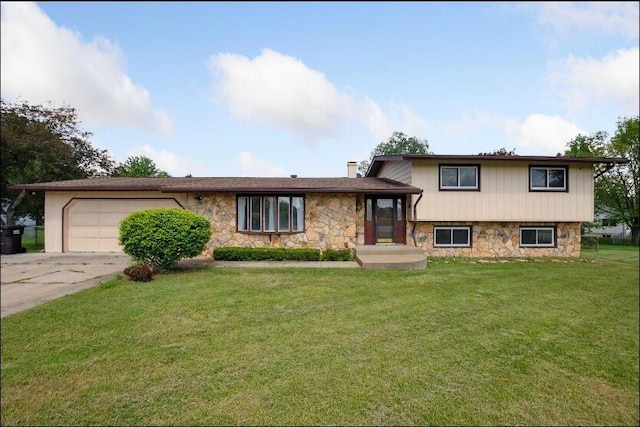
[[390, 256]]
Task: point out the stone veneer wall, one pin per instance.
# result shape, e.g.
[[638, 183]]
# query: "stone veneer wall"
[[499, 240], [332, 221]]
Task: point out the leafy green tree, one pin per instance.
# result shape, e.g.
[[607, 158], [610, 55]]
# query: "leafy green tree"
[[398, 143], [42, 144], [616, 188], [587, 145], [500, 152], [138, 167]]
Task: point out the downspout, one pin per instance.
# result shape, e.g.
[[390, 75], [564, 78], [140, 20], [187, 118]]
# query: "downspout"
[[415, 222]]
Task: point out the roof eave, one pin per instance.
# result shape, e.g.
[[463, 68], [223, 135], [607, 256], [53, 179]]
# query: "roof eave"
[[27, 187], [378, 161], [250, 190]]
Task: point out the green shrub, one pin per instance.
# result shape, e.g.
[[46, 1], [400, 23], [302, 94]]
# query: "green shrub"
[[337, 255], [139, 273], [623, 242], [605, 240], [163, 236], [266, 254]]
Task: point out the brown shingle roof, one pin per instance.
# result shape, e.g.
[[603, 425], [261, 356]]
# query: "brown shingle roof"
[[228, 185]]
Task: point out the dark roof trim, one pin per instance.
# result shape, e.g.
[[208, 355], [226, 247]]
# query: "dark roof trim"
[[229, 185], [293, 190], [377, 162]]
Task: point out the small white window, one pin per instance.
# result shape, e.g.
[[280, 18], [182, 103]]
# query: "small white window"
[[548, 178], [297, 214], [256, 213], [283, 213], [243, 204], [458, 177], [452, 236], [539, 237], [270, 214]]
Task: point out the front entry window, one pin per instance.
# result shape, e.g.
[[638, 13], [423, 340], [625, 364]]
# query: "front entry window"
[[384, 221]]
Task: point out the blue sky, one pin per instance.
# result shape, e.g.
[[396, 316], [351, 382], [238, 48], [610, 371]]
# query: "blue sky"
[[280, 88]]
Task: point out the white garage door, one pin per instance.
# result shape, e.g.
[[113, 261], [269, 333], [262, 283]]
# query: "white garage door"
[[93, 225]]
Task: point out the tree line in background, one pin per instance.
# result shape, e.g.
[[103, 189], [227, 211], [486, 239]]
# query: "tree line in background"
[[41, 144], [616, 187]]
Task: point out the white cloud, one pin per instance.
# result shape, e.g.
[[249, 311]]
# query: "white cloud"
[[538, 134], [397, 117], [615, 79], [280, 92], [41, 62], [276, 90], [617, 18], [545, 134], [250, 166], [170, 162]]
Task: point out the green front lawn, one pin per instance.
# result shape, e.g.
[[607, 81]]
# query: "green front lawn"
[[533, 343]]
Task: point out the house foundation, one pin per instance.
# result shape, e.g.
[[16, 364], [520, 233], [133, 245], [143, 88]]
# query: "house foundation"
[[499, 240]]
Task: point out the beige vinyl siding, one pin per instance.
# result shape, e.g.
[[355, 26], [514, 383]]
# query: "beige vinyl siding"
[[397, 171], [64, 209], [504, 196]]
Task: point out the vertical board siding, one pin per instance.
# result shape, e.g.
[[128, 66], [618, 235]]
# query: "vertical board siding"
[[397, 171], [504, 195]]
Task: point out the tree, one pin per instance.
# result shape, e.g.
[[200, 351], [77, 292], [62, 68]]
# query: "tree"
[[617, 187], [587, 145], [138, 167], [42, 144], [500, 152], [399, 143]]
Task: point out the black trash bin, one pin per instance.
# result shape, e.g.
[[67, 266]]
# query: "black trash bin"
[[12, 239]]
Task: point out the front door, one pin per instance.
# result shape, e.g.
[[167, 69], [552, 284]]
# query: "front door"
[[384, 220]]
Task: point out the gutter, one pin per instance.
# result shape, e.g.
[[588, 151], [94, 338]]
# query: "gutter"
[[415, 222]]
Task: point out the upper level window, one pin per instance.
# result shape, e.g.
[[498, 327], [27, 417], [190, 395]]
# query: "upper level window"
[[547, 178], [270, 214], [459, 177]]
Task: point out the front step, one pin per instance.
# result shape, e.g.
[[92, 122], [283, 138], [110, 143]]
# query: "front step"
[[390, 256]]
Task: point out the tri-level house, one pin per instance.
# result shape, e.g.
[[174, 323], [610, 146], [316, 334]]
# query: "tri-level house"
[[446, 205], [491, 206]]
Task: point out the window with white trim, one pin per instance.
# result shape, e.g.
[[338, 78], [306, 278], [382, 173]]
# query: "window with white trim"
[[537, 237], [547, 178], [270, 214], [459, 177], [451, 236]]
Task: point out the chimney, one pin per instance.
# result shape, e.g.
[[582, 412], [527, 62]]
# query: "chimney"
[[352, 169]]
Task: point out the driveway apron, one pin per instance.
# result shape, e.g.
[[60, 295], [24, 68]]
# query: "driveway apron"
[[29, 279]]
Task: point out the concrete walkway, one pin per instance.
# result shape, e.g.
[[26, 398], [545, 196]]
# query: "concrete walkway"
[[30, 279]]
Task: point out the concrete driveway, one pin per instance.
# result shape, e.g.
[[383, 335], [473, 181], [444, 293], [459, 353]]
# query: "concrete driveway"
[[30, 279]]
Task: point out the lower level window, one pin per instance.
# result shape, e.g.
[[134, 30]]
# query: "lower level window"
[[266, 214], [537, 236], [452, 236]]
